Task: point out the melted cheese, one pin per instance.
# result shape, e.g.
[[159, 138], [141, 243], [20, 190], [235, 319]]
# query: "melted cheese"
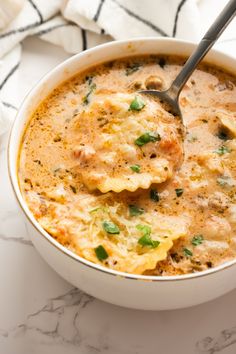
[[83, 228]]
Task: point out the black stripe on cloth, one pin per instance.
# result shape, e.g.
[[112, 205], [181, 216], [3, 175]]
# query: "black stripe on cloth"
[[84, 39], [9, 105], [143, 20], [37, 10], [10, 73], [182, 2], [19, 30], [97, 14], [50, 29], [25, 28]]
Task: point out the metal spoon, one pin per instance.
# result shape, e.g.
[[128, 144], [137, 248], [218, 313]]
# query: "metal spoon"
[[171, 95]]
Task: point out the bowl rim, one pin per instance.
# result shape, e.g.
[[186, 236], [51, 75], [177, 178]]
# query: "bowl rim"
[[23, 205]]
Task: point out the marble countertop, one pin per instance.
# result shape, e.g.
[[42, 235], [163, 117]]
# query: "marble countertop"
[[41, 313]]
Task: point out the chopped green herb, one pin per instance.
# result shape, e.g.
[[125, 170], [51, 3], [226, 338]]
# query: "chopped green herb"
[[145, 229], [224, 181], [94, 210], [134, 210], [147, 138], [154, 195], [132, 69], [135, 168], [222, 150], [92, 87], [187, 252], [110, 227], [104, 209], [179, 191], [101, 253], [197, 240], [192, 139], [146, 239], [137, 104], [221, 181], [74, 190]]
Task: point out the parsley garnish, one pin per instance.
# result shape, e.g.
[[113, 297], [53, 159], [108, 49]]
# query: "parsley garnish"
[[110, 227], [134, 210], [101, 253], [146, 240], [137, 104], [222, 150], [187, 252], [197, 240], [147, 138], [221, 181], [94, 210], [154, 195], [192, 139], [179, 191], [224, 181], [135, 168], [132, 69], [92, 87]]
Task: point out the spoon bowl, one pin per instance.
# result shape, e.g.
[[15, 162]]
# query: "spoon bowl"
[[169, 101], [166, 97]]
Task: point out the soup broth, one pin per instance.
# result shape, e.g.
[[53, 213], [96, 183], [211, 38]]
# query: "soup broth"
[[168, 206]]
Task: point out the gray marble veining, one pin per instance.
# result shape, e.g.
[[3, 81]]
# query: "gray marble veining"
[[15, 239], [211, 345], [56, 320]]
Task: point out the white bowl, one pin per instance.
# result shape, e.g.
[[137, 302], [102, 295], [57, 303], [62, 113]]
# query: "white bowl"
[[133, 291]]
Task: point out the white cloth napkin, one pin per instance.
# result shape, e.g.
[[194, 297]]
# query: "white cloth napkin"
[[79, 24]]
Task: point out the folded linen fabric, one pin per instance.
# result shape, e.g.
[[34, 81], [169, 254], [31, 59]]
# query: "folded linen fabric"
[[77, 25], [8, 11]]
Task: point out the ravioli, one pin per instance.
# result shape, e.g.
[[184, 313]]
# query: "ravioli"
[[126, 142], [122, 243], [125, 251]]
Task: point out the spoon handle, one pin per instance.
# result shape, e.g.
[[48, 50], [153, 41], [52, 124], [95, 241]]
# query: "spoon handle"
[[204, 46]]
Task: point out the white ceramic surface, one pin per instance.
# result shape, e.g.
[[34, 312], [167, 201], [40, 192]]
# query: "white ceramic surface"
[[127, 290]]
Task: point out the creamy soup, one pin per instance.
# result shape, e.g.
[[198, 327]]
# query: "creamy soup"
[[107, 173]]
